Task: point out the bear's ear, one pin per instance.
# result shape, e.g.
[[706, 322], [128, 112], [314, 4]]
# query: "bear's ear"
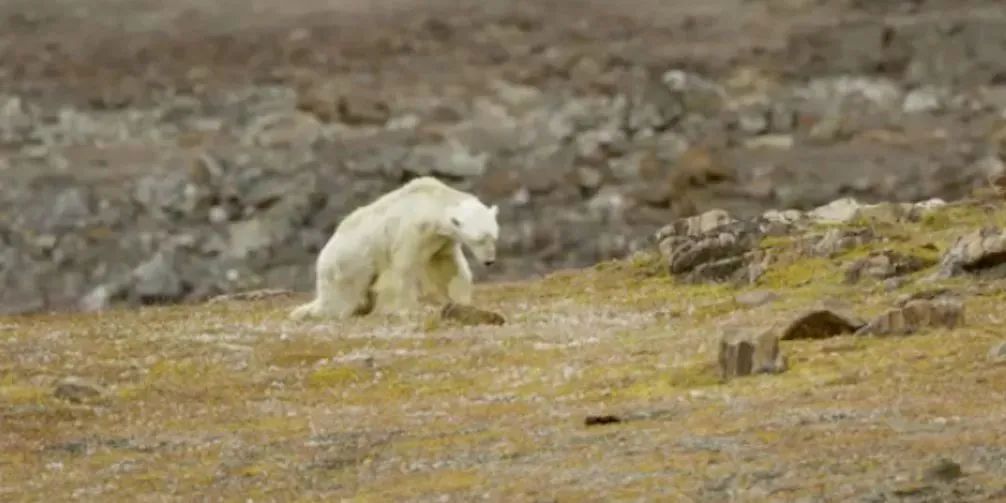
[[494, 209]]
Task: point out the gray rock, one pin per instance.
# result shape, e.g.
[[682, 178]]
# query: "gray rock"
[[363, 109], [786, 217], [720, 254], [782, 118], [832, 93], [518, 97], [892, 284], [885, 264], [589, 178], [753, 121], [931, 50], [748, 353], [829, 128], [388, 160], [997, 353], [770, 141], [219, 215], [598, 145], [695, 93], [917, 315], [15, 122], [653, 109], [991, 167], [980, 252], [924, 100], [163, 194], [450, 159], [290, 129], [695, 226], [936, 55], [157, 280], [98, 299], [838, 211], [838, 240], [490, 128], [266, 191], [70, 210], [255, 235]]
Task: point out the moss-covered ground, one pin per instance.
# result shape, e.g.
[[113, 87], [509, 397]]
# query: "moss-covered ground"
[[233, 402]]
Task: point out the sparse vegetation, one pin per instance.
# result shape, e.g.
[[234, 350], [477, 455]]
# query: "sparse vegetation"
[[232, 401]]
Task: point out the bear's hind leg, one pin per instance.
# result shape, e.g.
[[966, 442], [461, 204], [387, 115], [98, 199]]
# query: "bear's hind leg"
[[341, 295]]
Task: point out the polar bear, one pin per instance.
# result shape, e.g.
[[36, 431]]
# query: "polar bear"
[[406, 245]]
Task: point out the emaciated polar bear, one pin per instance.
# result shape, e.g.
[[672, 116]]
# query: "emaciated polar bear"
[[383, 256]]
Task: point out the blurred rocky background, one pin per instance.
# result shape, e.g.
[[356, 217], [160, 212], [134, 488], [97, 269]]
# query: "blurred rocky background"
[[155, 151]]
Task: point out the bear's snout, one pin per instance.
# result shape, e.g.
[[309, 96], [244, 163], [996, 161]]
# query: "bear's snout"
[[489, 262]]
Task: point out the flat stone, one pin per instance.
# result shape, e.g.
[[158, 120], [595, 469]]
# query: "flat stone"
[[470, 315], [915, 316]]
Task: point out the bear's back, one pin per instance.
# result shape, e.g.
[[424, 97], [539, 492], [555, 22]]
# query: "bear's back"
[[426, 186], [423, 191]]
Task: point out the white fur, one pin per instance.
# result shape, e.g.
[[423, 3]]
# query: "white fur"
[[386, 255]]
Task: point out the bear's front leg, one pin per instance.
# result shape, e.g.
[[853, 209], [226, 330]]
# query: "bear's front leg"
[[447, 276], [459, 285]]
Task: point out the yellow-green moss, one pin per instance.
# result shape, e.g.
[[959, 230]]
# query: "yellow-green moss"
[[961, 217], [813, 271], [664, 384], [420, 484], [334, 377], [13, 394]]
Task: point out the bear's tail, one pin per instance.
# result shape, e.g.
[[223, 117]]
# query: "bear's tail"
[[304, 311]]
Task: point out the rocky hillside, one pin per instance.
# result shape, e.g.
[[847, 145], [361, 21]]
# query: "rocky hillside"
[[163, 151], [850, 353]]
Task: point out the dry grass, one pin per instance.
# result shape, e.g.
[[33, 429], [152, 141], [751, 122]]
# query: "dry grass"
[[233, 402]]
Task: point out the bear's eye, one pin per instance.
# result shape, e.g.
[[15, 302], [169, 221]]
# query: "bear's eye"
[[455, 221]]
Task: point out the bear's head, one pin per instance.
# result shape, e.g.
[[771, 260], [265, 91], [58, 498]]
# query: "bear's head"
[[474, 224]]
